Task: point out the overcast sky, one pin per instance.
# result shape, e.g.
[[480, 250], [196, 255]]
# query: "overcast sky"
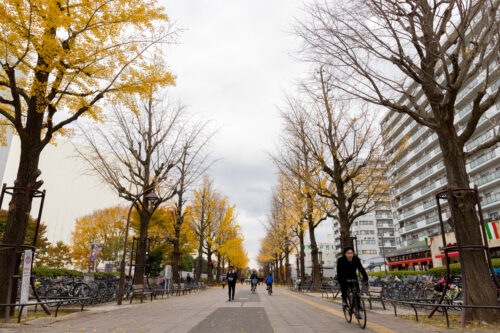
[[234, 61]]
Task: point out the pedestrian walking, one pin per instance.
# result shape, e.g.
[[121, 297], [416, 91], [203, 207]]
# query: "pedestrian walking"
[[189, 278], [231, 277], [242, 280]]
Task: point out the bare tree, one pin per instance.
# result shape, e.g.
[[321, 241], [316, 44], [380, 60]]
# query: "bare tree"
[[136, 152], [418, 58], [346, 147], [202, 217], [295, 158], [194, 161]]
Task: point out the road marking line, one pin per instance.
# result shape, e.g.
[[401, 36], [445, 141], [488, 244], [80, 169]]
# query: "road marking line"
[[375, 327]]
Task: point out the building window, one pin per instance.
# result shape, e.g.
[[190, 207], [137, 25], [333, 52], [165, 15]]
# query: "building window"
[[365, 222]]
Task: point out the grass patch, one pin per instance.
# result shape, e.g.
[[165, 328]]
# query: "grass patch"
[[439, 320]]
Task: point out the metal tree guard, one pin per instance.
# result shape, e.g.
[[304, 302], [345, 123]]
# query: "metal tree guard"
[[18, 249], [135, 249], [449, 196]]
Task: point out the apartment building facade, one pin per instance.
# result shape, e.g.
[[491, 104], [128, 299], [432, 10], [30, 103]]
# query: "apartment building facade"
[[327, 257], [417, 171], [375, 235]]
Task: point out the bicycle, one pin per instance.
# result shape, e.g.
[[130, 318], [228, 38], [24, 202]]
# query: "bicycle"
[[269, 289], [355, 304], [254, 285]]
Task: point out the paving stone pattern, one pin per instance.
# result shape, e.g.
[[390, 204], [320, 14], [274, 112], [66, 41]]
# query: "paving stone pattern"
[[210, 311]]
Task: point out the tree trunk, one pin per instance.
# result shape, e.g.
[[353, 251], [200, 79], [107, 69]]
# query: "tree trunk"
[[141, 256], [345, 239], [176, 254], [210, 268], [19, 209], [276, 269], [218, 272], [297, 268], [199, 262], [475, 271], [288, 275], [282, 271], [314, 256], [223, 265], [302, 257]]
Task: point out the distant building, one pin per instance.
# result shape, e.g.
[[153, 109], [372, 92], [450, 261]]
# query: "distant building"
[[327, 257], [72, 191]]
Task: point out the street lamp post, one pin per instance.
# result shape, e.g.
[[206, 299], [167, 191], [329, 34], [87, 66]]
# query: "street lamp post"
[[321, 263], [383, 253], [152, 197]]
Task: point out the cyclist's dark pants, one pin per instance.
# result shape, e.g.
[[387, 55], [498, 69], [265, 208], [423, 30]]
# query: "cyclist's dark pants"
[[231, 288], [344, 287]]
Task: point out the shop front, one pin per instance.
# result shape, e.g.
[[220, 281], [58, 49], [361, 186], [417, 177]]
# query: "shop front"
[[415, 257]]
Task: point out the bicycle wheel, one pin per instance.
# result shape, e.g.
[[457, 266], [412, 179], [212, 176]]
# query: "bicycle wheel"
[[348, 310], [81, 290], [361, 313], [51, 294]]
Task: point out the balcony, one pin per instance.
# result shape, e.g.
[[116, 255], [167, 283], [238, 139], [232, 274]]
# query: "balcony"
[[408, 213], [486, 157], [406, 199], [425, 173], [431, 220], [404, 187], [488, 178], [428, 188], [429, 204], [492, 198], [411, 227], [479, 140], [412, 241], [424, 158]]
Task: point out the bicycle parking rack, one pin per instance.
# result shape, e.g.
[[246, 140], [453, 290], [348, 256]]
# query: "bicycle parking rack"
[[18, 249], [449, 195]]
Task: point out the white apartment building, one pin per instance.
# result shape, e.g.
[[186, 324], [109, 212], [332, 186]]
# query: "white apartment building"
[[374, 234], [327, 256], [72, 191], [418, 172]]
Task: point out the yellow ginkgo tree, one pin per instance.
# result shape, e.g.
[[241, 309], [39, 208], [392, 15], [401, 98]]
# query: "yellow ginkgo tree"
[[103, 227], [58, 60]]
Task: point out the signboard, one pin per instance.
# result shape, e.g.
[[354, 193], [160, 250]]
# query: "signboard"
[[108, 267], [168, 272], [95, 252], [25, 286]]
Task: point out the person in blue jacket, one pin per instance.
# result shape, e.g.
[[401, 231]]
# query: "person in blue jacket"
[[269, 282]]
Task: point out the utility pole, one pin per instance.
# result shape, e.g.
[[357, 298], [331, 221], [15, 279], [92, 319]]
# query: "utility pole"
[[383, 253]]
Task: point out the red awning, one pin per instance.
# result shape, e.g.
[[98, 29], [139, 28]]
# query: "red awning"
[[412, 261], [450, 254]]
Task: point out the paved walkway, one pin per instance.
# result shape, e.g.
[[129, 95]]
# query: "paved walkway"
[[209, 311]]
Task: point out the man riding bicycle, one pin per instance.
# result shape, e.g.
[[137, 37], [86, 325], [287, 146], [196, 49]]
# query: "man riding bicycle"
[[347, 266], [253, 280], [269, 282]]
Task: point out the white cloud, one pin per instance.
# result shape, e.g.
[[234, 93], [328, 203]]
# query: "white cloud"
[[233, 64]]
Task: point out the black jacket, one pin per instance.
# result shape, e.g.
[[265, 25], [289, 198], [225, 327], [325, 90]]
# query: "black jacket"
[[234, 277], [346, 270]]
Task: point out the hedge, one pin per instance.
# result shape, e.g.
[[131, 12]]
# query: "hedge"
[[54, 272], [454, 269]]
